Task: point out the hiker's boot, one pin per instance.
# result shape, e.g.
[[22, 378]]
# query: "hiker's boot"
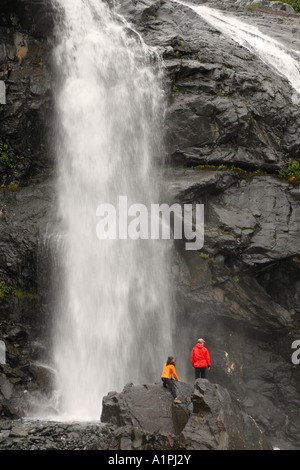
[[177, 400]]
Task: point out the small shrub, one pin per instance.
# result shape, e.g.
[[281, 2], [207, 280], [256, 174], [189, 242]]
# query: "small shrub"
[[252, 7], [5, 156], [5, 291], [291, 172], [13, 186]]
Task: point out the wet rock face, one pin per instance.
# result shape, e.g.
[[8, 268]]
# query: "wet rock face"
[[34, 18], [26, 160], [228, 111], [208, 419], [24, 68], [225, 105], [257, 216], [25, 279]]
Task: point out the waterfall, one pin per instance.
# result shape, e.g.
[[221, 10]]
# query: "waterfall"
[[113, 308], [269, 50]]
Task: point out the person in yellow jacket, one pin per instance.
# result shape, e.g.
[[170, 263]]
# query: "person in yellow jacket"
[[166, 377]]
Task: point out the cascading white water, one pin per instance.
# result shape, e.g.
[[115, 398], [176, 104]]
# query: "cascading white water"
[[113, 322], [265, 47]]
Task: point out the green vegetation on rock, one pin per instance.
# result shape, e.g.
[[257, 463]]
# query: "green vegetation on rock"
[[8, 291], [4, 156], [291, 172], [5, 291], [252, 7], [294, 3]]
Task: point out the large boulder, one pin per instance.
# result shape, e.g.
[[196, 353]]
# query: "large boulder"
[[148, 406], [145, 417]]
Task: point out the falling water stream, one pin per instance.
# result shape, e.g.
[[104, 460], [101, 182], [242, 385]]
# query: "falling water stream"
[[112, 322]]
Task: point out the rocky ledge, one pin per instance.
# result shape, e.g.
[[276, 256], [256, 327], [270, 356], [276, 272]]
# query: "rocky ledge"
[[144, 417]]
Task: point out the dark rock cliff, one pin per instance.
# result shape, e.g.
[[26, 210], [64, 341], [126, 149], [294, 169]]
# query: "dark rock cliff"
[[231, 124], [26, 195]]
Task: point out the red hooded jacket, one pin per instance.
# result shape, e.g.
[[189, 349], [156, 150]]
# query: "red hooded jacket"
[[200, 356]]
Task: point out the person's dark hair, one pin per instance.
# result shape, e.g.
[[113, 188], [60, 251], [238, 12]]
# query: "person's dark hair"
[[170, 360]]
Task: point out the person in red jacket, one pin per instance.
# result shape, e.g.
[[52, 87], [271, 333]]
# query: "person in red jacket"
[[200, 359]]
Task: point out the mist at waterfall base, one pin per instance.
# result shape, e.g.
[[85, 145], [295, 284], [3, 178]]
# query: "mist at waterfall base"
[[112, 319]]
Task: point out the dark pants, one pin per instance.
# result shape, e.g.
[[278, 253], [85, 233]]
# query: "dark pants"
[[200, 372], [169, 383]]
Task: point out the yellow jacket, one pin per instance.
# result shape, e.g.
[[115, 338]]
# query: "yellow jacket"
[[168, 371]]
